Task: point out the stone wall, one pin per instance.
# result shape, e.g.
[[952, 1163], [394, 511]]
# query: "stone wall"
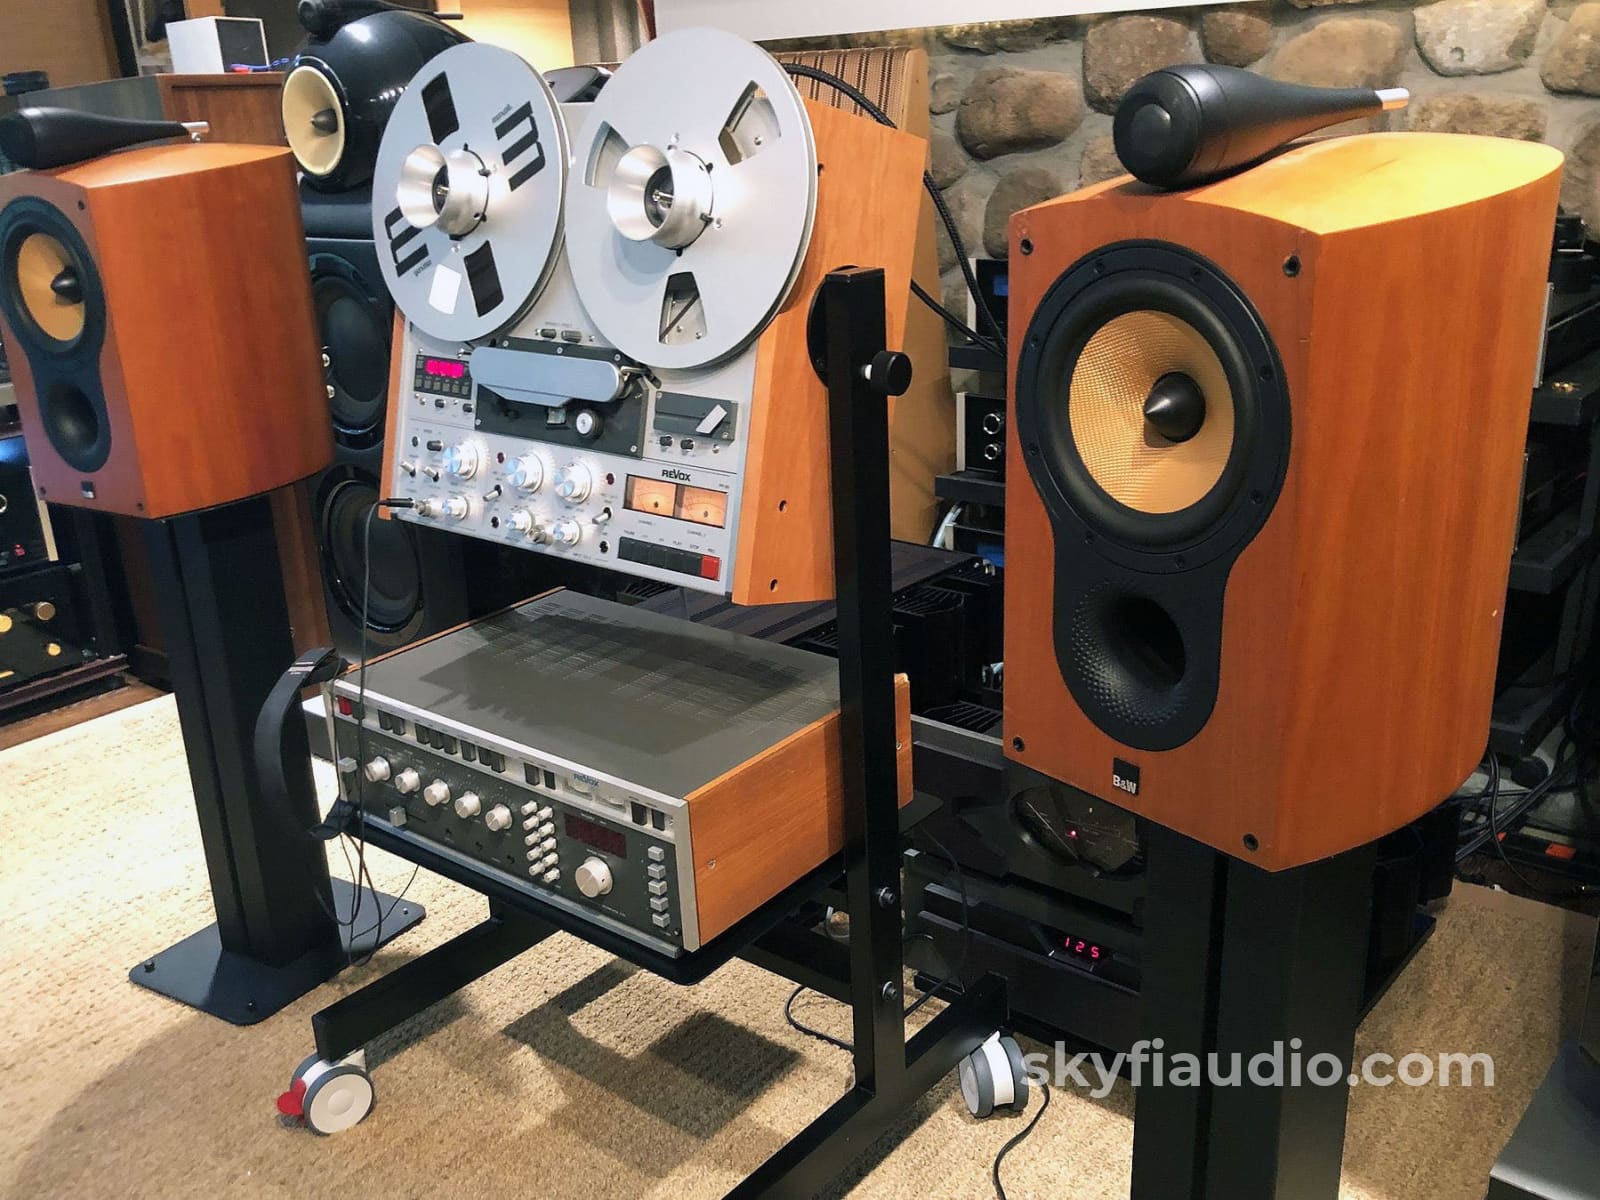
[[1021, 110]]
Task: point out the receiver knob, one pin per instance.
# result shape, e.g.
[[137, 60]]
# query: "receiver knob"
[[468, 805], [527, 473], [573, 482], [377, 770], [407, 781], [521, 521], [568, 533], [497, 818], [436, 793], [593, 878], [461, 460], [454, 507]]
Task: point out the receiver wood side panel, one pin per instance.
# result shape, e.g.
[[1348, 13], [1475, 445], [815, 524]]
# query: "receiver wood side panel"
[[761, 826]]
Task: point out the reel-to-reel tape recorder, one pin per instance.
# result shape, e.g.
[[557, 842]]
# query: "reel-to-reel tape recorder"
[[605, 351]]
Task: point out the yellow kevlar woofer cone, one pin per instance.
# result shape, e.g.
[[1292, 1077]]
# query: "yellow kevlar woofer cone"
[[313, 120], [1111, 381], [56, 308]]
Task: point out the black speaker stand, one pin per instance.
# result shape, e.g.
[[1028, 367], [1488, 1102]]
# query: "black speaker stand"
[[282, 925], [1237, 961]]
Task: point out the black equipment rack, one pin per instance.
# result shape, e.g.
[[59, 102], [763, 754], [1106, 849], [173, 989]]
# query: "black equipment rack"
[[890, 1073]]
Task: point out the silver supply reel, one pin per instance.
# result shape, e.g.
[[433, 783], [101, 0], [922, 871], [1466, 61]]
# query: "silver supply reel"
[[467, 193], [692, 197]]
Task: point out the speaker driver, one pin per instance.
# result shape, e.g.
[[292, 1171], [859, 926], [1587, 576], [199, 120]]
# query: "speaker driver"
[[49, 282], [313, 121], [1151, 412], [1151, 407], [394, 603], [355, 337]]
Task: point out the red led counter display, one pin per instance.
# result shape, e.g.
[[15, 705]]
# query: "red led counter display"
[[443, 368], [592, 833]]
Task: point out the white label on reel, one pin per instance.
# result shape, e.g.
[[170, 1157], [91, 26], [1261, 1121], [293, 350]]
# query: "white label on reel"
[[446, 289]]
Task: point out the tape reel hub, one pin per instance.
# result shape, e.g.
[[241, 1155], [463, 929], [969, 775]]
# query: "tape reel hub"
[[691, 200], [660, 196], [450, 191]]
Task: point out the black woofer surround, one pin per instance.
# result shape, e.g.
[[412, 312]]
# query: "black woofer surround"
[[355, 328], [1138, 595], [66, 374]]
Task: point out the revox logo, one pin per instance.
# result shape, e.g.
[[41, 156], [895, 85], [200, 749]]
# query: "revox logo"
[[674, 473], [1125, 776]]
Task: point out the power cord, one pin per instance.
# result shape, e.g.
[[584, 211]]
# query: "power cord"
[[992, 340], [994, 1173]]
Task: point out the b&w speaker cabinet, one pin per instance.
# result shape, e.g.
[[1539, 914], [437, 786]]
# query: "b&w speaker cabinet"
[[1266, 439], [165, 361]]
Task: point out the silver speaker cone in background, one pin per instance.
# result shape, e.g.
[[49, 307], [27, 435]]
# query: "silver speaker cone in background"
[[691, 199]]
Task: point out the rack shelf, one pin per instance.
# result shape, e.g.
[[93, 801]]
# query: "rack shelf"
[[1550, 557]]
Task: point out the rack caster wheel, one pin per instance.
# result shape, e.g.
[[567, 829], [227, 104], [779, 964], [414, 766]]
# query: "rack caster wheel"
[[329, 1097], [993, 1076]]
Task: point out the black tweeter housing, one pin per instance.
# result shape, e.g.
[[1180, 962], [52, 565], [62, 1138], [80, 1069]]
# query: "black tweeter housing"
[[1184, 125]]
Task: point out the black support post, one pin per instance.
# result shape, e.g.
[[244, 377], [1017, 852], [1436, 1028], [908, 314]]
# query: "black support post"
[[1244, 962], [226, 625]]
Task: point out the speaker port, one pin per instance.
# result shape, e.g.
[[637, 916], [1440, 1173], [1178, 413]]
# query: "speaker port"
[[1128, 664], [75, 427], [1146, 642]]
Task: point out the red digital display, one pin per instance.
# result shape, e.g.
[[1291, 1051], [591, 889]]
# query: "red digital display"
[[592, 833], [1081, 948], [444, 368]]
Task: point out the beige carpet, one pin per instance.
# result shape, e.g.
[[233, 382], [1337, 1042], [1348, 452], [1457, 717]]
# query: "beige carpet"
[[564, 1074]]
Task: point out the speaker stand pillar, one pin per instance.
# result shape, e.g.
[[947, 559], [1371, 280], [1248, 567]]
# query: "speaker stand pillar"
[[1241, 962], [226, 623]]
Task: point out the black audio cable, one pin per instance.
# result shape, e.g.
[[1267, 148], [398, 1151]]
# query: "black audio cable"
[[993, 340], [361, 871]]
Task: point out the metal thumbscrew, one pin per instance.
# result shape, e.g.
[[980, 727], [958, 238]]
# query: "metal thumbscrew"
[[889, 372]]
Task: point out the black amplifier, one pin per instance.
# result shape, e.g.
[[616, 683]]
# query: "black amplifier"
[[42, 630], [981, 434], [26, 540]]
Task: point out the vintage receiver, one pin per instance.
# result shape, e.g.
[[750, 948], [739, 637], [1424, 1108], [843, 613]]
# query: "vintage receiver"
[[1258, 526], [605, 351], [660, 778]]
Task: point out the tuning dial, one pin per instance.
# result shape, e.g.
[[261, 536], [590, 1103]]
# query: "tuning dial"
[[468, 805], [461, 460], [526, 473], [454, 507], [593, 878], [497, 818], [377, 770], [407, 781], [573, 482], [567, 533]]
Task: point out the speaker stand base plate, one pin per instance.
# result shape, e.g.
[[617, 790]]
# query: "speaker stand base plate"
[[199, 972]]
